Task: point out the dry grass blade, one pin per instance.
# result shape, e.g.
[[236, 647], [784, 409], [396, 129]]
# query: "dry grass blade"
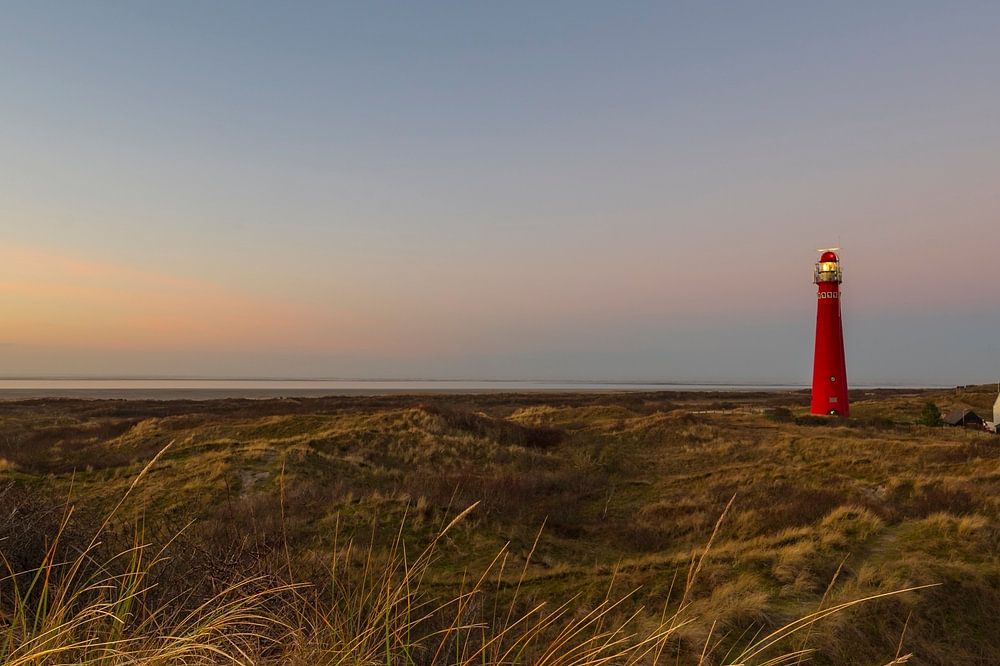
[[793, 627]]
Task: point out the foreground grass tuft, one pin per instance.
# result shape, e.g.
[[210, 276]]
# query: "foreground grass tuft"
[[87, 611]]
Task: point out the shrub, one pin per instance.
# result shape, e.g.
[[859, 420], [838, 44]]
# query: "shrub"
[[781, 415], [814, 420], [930, 415]]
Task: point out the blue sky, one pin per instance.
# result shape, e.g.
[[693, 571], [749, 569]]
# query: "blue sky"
[[512, 190]]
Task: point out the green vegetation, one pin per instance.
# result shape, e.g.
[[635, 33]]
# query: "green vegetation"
[[931, 415], [324, 531]]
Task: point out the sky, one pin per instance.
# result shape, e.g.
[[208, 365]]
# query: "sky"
[[517, 190]]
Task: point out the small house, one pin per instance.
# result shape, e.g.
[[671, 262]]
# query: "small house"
[[963, 418]]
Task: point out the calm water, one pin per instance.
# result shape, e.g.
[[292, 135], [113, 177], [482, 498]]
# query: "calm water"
[[204, 389]]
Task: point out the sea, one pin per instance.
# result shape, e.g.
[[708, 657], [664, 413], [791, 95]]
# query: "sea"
[[211, 389]]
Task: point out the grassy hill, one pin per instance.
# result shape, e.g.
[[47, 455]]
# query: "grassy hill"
[[579, 494]]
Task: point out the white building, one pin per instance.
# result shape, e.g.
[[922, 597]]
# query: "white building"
[[994, 425], [996, 414]]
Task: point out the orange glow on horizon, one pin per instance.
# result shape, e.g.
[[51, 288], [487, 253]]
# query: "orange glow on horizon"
[[54, 299]]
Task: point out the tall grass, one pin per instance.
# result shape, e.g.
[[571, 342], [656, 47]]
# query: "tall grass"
[[378, 607]]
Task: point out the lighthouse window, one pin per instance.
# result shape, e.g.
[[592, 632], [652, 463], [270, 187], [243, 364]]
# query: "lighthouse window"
[[832, 378]]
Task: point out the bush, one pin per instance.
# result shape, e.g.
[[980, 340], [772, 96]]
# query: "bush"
[[781, 415], [814, 420], [930, 415]]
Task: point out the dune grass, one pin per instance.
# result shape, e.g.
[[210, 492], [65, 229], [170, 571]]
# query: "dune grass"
[[322, 531], [85, 611]]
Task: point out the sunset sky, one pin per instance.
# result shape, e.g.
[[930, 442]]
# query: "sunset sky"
[[545, 190]]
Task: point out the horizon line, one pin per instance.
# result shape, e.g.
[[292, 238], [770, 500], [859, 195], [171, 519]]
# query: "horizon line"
[[276, 379]]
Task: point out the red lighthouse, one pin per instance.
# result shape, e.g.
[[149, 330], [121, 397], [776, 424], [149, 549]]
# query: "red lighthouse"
[[829, 391]]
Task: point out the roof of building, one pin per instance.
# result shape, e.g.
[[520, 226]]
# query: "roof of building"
[[960, 416]]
